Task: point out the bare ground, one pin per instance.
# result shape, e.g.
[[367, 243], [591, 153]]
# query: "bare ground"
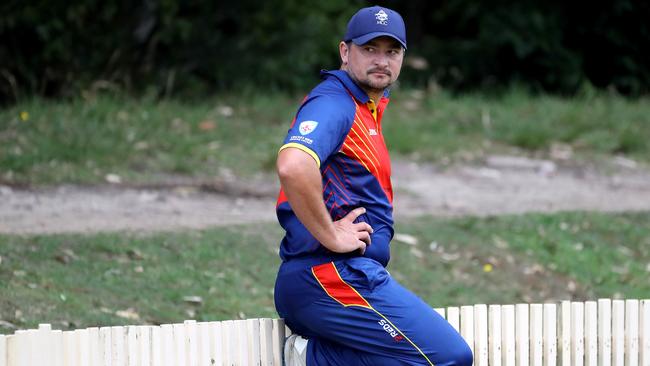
[[495, 185]]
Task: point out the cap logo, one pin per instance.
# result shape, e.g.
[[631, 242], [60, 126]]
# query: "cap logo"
[[382, 17]]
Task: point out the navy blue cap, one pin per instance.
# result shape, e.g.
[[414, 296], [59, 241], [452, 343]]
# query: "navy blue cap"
[[373, 22]]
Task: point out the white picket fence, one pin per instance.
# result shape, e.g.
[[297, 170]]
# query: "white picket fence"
[[602, 333]]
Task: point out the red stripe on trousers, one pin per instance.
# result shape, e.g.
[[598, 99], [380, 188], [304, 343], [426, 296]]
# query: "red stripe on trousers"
[[340, 291]]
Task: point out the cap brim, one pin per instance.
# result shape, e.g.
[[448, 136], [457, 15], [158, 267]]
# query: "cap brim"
[[360, 41]]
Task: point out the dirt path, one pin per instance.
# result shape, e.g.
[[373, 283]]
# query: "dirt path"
[[499, 185]]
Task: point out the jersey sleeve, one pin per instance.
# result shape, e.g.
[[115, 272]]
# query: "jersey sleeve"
[[320, 126]]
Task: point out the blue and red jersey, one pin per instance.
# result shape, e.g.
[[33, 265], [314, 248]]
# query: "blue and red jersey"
[[340, 127]]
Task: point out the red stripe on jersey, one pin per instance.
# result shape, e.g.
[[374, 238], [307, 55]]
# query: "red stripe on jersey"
[[365, 131], [369, 150], [361, 143], [328, 277]]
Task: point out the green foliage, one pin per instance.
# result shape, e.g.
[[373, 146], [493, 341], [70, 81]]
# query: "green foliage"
[[550, 46], [169, 47], [55, 48]]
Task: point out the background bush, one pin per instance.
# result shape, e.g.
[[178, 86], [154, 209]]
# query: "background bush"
[[170, 47]]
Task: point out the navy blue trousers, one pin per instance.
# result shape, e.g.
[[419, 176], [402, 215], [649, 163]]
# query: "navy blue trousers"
[[354, 313]]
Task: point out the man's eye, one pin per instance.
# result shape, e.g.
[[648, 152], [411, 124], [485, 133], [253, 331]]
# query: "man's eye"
[[370, 49]]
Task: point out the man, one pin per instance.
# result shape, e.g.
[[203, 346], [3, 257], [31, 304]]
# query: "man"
[[336, 207]]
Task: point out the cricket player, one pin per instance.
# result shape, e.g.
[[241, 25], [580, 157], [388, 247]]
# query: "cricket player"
[[335, 205]]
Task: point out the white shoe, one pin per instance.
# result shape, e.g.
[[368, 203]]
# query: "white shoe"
[[295, 351]]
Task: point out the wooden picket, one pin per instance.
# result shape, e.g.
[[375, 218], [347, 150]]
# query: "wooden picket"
[[278, 340], [591, 333], [536, 334], [494, 335], [509, 335], [565, 333], [453, 317], [440, 311], [105, 346], [467, 325], [204, 343], [156, 346], [266, 342], [216, 343], [550, 335], [632, 332], [522, 327], [481, 355], [618, 332], [577, 334], [166, 348], [644, 333], [602, 333], [94, 346], [3, 350]]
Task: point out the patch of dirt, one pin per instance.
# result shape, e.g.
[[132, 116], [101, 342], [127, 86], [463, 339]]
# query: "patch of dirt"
[[511, 185], [497, 185]]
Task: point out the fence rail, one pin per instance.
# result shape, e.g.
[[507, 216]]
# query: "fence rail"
[[593, 333]]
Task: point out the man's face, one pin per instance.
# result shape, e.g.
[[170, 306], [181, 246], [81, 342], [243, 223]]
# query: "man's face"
[[374, 65]]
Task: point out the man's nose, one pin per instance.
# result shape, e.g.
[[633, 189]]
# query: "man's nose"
[[381, 59]]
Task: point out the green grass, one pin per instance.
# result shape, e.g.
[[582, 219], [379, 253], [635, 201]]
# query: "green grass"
[[533, 258], [76, 281], [83, 140], [139, 140], [434, 127]]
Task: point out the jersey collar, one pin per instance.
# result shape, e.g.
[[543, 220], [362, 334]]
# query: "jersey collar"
[[358, 93]]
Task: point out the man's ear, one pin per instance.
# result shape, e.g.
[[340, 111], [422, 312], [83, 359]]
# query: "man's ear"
[[344, 52]]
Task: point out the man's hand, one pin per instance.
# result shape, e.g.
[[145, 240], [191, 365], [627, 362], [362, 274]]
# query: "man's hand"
[[351, 236]]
